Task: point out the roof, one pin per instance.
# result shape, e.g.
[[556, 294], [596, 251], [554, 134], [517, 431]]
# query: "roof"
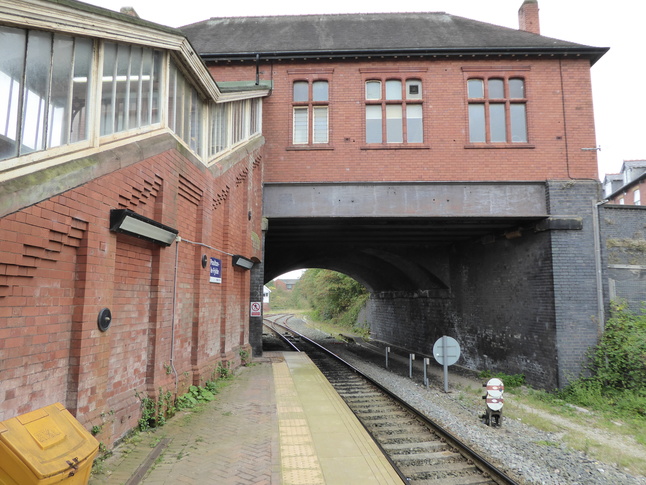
[[367, 34]]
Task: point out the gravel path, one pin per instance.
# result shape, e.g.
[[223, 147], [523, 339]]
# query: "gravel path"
[[529, 455]]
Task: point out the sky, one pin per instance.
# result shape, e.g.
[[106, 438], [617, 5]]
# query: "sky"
[[620, 113]]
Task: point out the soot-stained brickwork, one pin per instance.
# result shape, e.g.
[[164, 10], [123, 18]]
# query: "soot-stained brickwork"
[[525, 303]]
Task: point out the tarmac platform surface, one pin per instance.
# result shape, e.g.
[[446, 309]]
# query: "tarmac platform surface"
[[279, 422]]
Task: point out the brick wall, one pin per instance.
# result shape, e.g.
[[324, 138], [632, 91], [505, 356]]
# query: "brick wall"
[[498, 306], [574, 262], [60, 265], [559, 99], [623, 244], [525, 305]]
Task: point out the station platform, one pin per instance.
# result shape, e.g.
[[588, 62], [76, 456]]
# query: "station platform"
[[280, 422]]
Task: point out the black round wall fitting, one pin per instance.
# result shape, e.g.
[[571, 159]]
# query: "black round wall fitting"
[[204, 261], [105, 319]]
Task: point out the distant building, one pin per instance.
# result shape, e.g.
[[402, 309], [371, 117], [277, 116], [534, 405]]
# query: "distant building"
[[625, 188], [265, 298], [286, 284]]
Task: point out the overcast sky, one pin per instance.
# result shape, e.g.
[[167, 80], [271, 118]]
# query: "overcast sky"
[[620, 112]]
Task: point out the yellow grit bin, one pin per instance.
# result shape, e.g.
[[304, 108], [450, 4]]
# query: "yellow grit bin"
[[46, 446]]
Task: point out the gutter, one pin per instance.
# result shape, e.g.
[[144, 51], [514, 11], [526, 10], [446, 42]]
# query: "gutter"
[[593, 53]]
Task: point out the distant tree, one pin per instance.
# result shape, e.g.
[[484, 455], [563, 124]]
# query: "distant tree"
[[333, 296]]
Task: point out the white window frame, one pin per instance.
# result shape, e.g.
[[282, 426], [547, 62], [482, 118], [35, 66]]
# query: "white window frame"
[[310, 117], [393, 97]]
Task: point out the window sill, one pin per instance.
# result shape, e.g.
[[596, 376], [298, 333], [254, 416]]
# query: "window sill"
[[308, 147], [498, 145], [395, 146]]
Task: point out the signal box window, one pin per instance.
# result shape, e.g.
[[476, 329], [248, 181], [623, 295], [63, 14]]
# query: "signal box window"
[[394, 111], [310, 112], [497, 110]]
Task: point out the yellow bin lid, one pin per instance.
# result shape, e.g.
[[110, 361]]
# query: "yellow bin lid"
[[50, 441]]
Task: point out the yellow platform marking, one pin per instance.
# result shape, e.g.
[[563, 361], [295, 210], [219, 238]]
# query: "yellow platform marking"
[[321, 441], [300, 465]]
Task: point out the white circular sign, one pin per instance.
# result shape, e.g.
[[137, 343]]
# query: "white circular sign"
[[495, 388], [452, 350]]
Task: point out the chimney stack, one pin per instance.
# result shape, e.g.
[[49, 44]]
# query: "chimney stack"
[[528, 17], [129, 11]]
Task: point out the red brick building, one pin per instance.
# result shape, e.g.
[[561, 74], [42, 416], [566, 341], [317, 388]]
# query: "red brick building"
[[437, 160], [91, 316], [138, 123], [453, 64], [626, 187]]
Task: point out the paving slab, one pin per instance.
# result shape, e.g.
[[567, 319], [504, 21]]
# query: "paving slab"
[[278, 422]]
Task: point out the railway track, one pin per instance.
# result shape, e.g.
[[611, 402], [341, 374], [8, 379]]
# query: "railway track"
[[422, 451]]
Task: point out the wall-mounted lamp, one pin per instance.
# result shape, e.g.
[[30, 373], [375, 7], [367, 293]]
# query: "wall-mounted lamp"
[[128, 222], [241, 261]]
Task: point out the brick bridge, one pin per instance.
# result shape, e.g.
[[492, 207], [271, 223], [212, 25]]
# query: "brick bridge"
[[439, 161]]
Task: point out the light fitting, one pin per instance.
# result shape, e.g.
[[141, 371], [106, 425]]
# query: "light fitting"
[[128, 222]]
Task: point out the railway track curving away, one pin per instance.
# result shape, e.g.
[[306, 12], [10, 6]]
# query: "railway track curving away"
[[422, 451]]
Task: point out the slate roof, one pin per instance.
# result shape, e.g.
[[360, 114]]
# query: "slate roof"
[[367, 34]]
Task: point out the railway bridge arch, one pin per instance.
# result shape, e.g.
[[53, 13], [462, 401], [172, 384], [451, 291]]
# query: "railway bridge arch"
[[486, 263]]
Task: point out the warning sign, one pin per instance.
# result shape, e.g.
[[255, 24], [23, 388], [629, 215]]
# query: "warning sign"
[[256, 309]]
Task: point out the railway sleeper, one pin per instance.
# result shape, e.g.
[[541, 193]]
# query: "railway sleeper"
[[462, 480], [409, 424], [371, 411], [452, 470], [434, 458], [361, 398], [396, 438], [376, 417], [397, 449]]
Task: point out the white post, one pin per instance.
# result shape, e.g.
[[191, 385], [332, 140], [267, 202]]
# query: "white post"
[[446, 367]]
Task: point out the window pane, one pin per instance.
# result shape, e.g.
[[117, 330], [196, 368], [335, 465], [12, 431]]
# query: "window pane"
[[414, 128], [109, 82], [11, 69], [394, 127], [320, 123], [36, 91], [476, 123], [133, 113], [320, 91], [300, 126], [373, 124], [172, 96], [518, 123], [496, 89], [81, 89], [393, 90], [60, 115], [122, 88], [497, 125], [475, 88], [155, 110], [413, 89], [516, 88], [146, 93], [301, 91], [373, 90]]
